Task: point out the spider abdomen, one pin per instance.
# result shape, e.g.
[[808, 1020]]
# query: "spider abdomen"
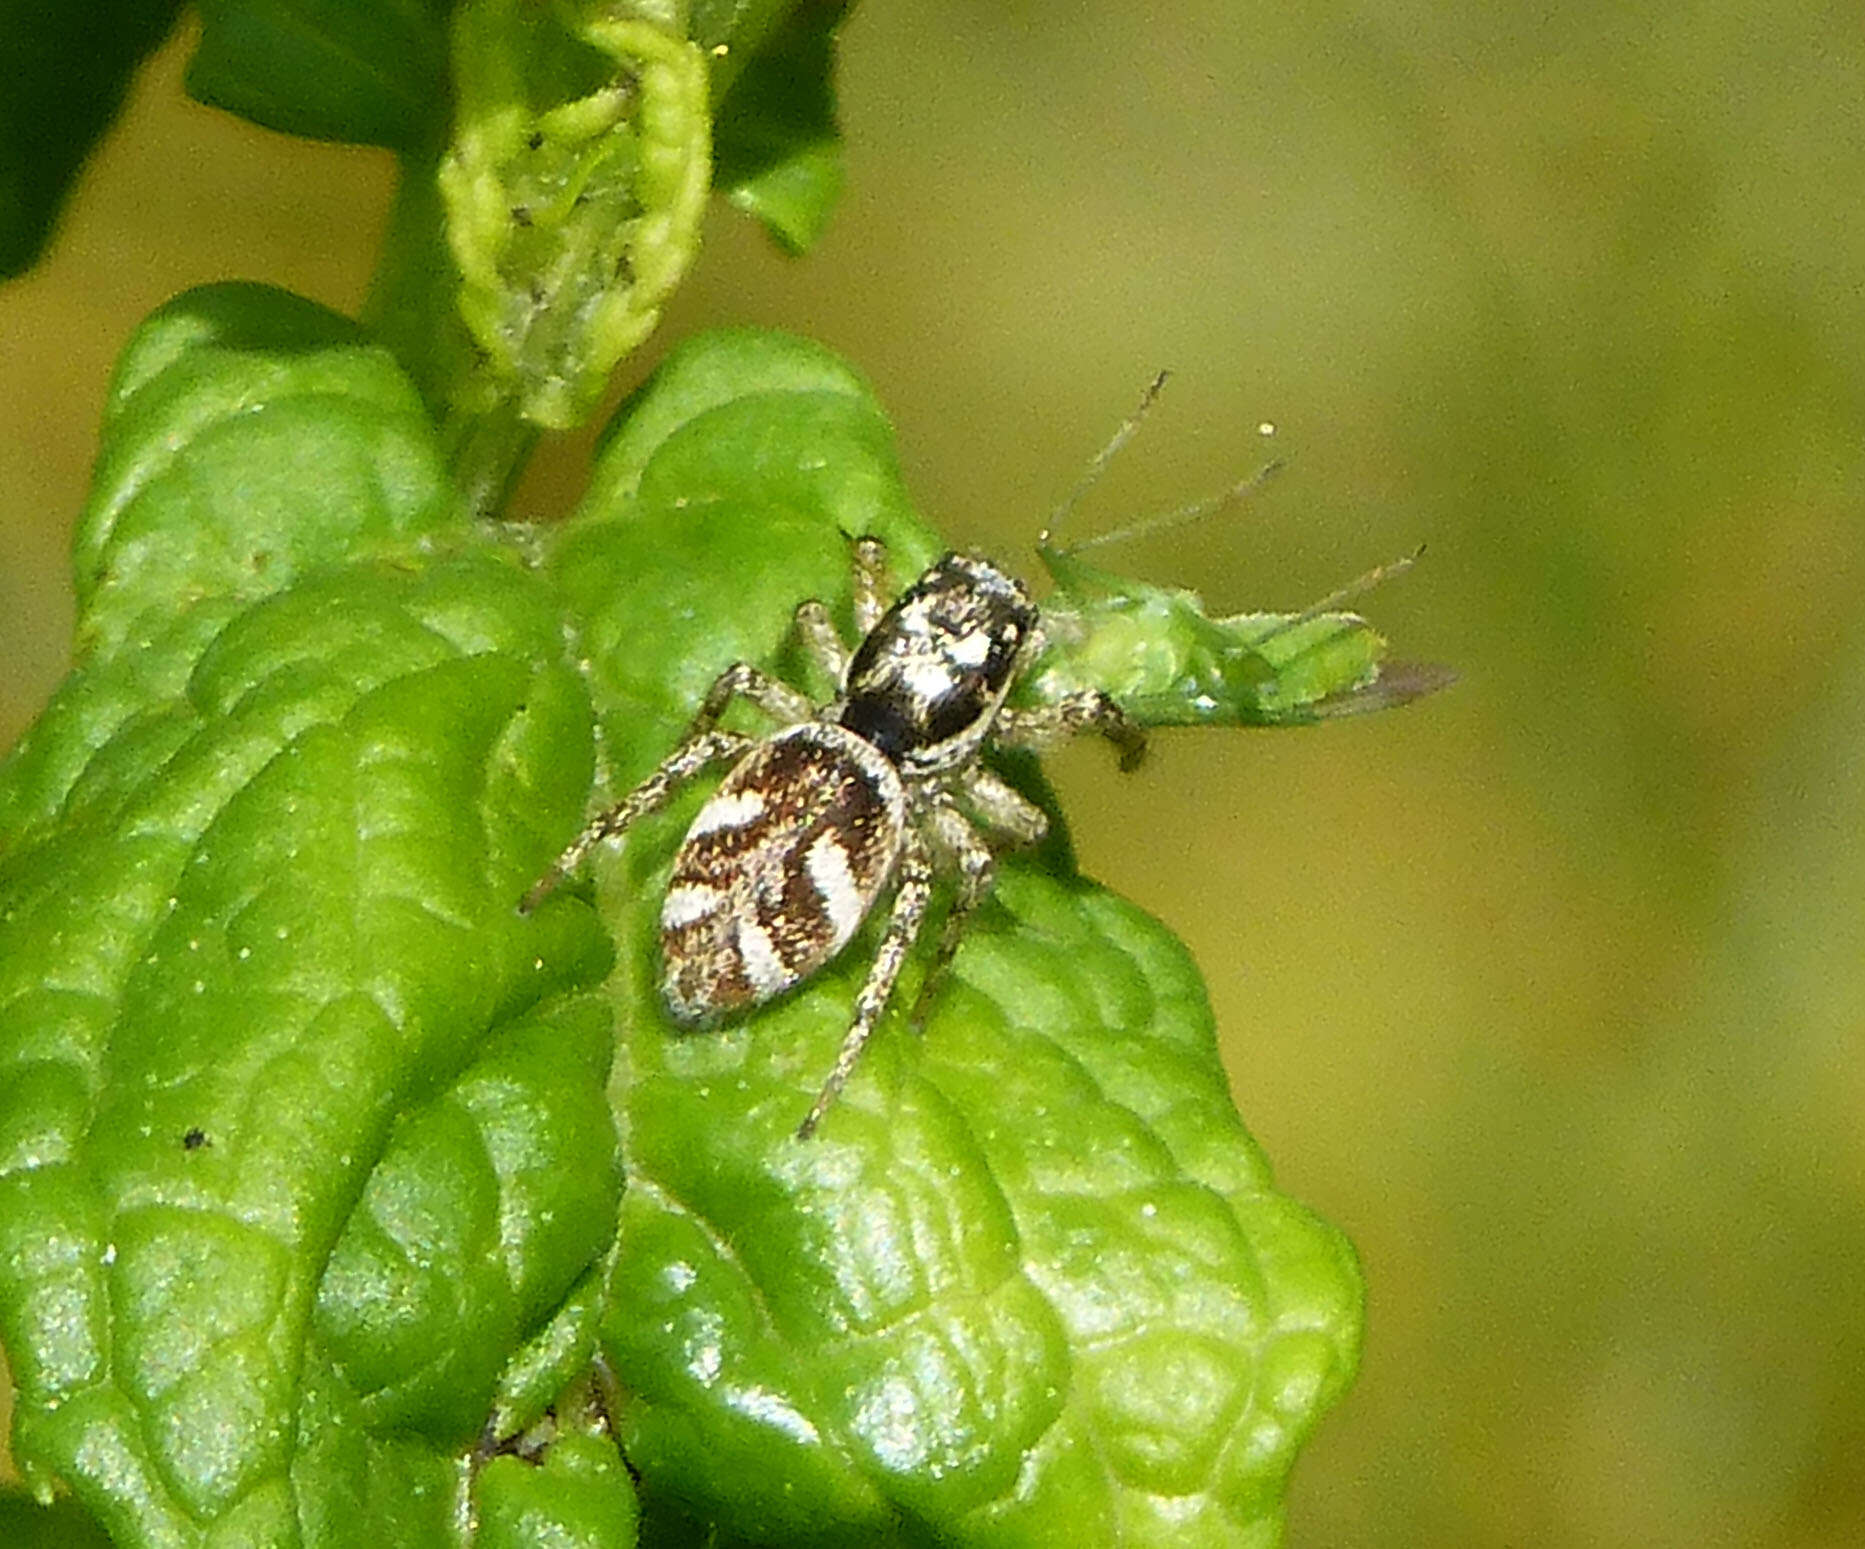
[[779, 869]]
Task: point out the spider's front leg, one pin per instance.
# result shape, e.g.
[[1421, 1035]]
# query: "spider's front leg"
[[870, 583], [702, 746], [817, 630], [741, 680], [903, 927], [1002, 810], [818, 633], [1088, 710], [653, 793]]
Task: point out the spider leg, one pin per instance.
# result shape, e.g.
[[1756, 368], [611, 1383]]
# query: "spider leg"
[[1001, 808], [818, 633], [702, 745], [687, 760], [971, 857], [870, 583], [903, 925], [742, 680], [1089, 710]]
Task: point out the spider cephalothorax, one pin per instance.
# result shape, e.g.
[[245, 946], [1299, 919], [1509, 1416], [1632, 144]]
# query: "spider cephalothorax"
[[882, 785]]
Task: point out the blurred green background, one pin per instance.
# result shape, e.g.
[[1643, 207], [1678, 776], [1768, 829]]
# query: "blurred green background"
[[1550, 990]]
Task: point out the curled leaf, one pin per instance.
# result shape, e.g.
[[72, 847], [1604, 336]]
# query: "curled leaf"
[[579, 169]]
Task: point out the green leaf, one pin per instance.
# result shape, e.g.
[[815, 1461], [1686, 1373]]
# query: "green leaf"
[[535, 249], [309, 1141], [574, 188], [67, 71], [1166, 662], [366, 72], [581, 1495], [248, 435], [559, 1355], [265, 1001], [488, 1205], [1031, 1283], [777, 146]]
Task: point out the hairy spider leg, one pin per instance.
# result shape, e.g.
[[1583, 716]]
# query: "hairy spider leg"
[[971, 858], [912, 890], [699, 748], [1087, 710], [693, 755], [741, 680], [820, 638], [871, 588]]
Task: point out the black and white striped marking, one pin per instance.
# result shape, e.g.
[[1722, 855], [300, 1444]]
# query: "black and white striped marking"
[[779, 869]]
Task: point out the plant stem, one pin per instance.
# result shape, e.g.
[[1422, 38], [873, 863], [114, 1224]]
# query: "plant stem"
[[412, 308]]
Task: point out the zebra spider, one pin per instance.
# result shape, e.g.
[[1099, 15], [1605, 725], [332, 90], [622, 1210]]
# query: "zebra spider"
[[881, 784]]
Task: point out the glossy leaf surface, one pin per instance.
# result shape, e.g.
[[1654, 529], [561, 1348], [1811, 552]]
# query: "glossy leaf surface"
[[312, 1149], [261, 983]]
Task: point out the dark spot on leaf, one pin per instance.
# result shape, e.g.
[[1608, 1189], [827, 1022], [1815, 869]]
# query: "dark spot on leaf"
[[194, 1140], [528, 1446], [521, 215], [536, 140]]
